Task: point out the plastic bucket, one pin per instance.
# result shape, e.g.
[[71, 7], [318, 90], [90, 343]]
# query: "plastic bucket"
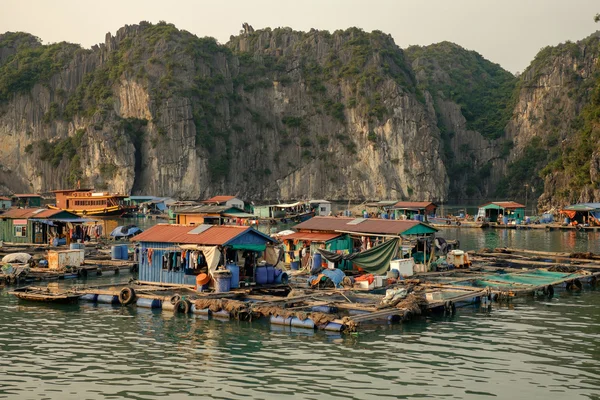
[[222, 281], [235, 275], [270, 274], [295, 265], [261, 275]]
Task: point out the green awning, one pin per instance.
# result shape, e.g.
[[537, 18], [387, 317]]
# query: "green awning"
[[420, 229], [252, 247]]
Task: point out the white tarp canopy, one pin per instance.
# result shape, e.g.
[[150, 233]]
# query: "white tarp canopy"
[[296, 204]]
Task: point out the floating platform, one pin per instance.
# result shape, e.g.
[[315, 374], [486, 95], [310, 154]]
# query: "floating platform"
[[494, 279]]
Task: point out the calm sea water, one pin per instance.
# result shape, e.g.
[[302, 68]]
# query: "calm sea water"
[[535, 348]]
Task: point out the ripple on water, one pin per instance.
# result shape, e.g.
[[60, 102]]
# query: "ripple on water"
[[543, 349]]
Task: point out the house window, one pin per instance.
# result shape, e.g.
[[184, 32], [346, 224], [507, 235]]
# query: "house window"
[[323, 209], [20, 230]]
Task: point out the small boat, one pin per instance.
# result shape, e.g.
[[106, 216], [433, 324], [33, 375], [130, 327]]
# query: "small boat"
[[45, 294]]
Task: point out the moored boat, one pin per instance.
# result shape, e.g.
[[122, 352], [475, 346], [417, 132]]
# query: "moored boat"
[[89, 203], [33, 293]]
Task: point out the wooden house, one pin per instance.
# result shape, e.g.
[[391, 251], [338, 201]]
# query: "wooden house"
[[5, 203], [36, 225], [408, 209], [26, 200], [230, 201], [496, 211], [210, 214], [582, 213], [349, 235], [163, 244]]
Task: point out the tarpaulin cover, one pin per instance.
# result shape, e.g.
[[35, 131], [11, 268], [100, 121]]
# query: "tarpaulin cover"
[[375, 260], [211, 253], [124, 231], [568, 213]]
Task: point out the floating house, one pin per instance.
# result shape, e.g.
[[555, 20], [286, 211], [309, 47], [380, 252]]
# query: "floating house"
[[5, 203], [37, 225], [408, 210], [297, 212], [510, 210], [137, 200], [171, 253], [211, 215], [230, 201], [583, 213], [348, 235], [321, 208], [26, 200]]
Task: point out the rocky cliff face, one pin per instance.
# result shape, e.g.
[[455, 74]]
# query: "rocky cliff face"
[[471, 98], [280, 114], [554, 127], [273, 114]]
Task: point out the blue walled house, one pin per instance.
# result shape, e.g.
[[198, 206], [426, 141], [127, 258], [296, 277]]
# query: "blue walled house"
[[170, 253]]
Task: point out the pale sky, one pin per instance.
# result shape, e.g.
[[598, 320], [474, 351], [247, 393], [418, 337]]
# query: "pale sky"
[[507, 32]]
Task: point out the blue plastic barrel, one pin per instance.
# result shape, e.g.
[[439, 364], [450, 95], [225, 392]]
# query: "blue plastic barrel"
[[148, 303], [115, 252], [55, 242], [89, 297], [222, 281], [324, 309], [108, 299], [298, 323], [317, 259], [124, 252], [282, 278], [505, 220], [277, 320], [270, 274], [261, 275], [295, 265], [235, 275]]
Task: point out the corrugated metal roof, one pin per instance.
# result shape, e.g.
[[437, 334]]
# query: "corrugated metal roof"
[[369, 225], [4, 198], [504, 204], [413, 204], [205, 209], [583, 207], [41, 213], [26, 195], [167, 233], [218, 199], [312, 236]]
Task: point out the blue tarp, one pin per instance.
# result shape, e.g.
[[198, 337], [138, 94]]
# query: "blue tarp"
[[125, 231]]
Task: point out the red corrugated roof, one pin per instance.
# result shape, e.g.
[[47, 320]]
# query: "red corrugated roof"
[[218, 199], [413, 204], [505, 204], [166, 233], [4, 198], [368, 225], [312, 236], [39, 213]]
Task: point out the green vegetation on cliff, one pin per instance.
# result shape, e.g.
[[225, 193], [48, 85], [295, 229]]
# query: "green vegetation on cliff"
[[484, 90]]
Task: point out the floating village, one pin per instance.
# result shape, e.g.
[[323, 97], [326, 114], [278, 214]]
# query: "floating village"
[[382, 262]]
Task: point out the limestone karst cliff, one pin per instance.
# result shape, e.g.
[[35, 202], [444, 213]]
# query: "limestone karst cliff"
[[272, 114], [281, 114]]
